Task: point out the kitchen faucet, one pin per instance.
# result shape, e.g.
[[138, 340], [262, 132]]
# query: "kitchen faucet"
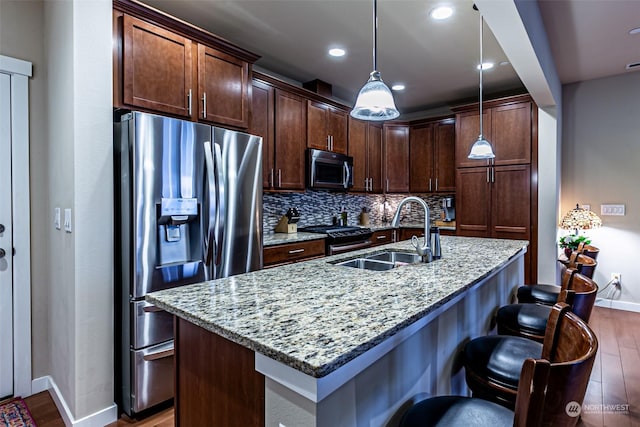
[[424, 251]]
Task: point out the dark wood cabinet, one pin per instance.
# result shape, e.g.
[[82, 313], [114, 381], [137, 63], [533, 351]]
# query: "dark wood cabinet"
[[166, 66], [223, 88], [365, 146], [396, 158], [293, 252], [431, 157], [382, 237], [498, 198], [262, 124], [290, 131], [326, 127], [280, 118], [156, 68], [507, 125]]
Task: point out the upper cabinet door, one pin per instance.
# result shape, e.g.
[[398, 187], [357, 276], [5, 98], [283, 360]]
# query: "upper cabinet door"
[[317, 136], [358, 150], [421, 141], [338, 130], [290, 127], [467, 131], [157, 68], [444, 158], [262, 123], [374, 156], [223, 88], [511, 133], [396, 157]]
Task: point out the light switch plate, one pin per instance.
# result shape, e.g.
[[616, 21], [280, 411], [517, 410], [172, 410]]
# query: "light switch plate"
[[56, 219], [616, 210], [67, 220]]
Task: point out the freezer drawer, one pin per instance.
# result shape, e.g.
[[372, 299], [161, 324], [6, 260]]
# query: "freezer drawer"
[[151, 325], [152, 372]]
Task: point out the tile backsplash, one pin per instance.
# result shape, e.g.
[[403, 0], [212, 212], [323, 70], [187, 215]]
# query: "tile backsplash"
[[319, 207]]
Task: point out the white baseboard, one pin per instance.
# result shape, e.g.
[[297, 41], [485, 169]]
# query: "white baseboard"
[[101, 418], [618, 305]]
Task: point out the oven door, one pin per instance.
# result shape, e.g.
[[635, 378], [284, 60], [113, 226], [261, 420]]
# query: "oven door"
[[338, 248]]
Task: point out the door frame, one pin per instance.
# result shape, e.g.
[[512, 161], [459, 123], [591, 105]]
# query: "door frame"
[[20, 72]]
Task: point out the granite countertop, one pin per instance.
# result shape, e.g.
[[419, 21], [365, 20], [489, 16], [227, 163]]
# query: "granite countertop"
[[315, 316]]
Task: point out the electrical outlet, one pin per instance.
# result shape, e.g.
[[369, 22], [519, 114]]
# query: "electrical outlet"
[[617, 277]]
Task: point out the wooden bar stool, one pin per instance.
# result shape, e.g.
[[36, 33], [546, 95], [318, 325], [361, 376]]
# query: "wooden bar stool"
[[546, 386], [547, 294], [530, 320]]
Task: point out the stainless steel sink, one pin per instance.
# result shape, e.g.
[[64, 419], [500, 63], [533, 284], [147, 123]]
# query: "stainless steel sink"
[[382, 261], [367, 264], [396, 257]]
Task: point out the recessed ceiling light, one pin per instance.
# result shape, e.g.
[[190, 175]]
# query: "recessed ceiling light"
[[635, 31], [486, 66], [337, 52], [397, 87], [441, 12], [503, 63]]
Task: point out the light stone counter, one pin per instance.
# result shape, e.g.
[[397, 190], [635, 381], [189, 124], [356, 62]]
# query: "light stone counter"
[[273, 239], [315, 316], [341, 347]]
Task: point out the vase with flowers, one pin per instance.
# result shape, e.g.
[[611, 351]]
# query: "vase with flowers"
[[571, 242]]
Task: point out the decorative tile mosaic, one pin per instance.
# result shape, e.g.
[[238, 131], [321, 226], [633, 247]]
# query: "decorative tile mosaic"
[[319, 207]]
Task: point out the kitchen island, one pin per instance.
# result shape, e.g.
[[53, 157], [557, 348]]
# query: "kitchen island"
[[318, 344]]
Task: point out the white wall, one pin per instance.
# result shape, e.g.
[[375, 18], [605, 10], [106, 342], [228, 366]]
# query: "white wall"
[[26, 42], [69, 44], [600, 160]]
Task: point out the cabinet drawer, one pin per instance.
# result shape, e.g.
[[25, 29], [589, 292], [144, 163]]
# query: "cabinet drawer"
[[292, 252], [382, 237]]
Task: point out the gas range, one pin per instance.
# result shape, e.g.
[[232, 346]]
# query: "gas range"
[[342, 238]]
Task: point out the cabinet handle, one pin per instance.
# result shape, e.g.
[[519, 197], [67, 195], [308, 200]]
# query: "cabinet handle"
[[370, 184], [387, 185], [279, 178], [493, 174], [329, 142], [271, 183], [204, 105], [295, 251], [429, 184], [436, 184], [381, 237], [189, 102], [394, 235], [487, 174]]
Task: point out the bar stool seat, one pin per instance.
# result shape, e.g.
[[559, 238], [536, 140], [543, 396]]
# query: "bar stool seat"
[[541, 293], [530, 319], [448, 411], [493, 364]]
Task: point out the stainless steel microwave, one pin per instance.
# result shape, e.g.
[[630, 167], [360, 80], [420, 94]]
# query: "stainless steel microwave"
[[329, 170]]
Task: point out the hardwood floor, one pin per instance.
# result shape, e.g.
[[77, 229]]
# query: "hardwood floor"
[[612, 399]]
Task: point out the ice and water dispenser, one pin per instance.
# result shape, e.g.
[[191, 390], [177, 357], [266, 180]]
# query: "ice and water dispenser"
[[179, 231]]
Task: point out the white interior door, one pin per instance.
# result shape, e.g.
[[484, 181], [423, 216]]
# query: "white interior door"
[[6, 243]]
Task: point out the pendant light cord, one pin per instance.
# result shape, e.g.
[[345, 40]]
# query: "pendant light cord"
[[375, 34], [481, 67]]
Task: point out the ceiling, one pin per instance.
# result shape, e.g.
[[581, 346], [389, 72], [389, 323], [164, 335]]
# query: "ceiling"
[[435, 60]]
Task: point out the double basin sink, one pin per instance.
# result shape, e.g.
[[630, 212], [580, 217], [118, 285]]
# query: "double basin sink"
[[382, 261]]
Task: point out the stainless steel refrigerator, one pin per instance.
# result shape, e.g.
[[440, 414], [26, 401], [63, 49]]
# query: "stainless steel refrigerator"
[[188, 208]]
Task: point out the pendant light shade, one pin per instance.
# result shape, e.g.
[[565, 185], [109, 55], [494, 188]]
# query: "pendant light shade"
[[375, 101], [481, 149]]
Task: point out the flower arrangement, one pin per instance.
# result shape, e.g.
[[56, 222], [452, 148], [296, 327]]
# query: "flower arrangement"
[[570, 242]]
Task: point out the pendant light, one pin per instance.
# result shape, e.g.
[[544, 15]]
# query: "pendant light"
[[375, 101], [481, 149]]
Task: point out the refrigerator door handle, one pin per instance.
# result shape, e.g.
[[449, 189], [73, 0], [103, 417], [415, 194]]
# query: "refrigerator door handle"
[[209, 240], [220, 204]]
